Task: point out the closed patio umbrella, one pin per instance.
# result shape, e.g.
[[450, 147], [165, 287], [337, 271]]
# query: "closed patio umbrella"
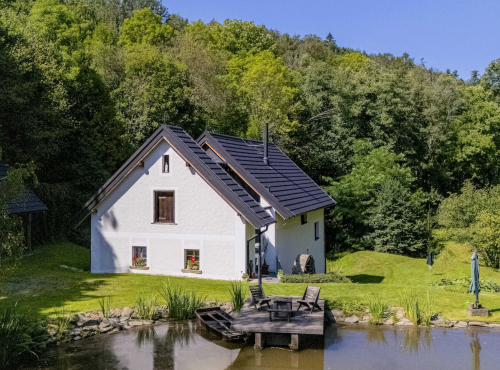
[[475, 288], [430, 260]]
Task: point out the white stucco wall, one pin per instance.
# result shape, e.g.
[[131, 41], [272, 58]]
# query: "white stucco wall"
[[293, 239], [204, 221]]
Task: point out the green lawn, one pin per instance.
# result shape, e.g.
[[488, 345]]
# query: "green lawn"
[[41, 284]]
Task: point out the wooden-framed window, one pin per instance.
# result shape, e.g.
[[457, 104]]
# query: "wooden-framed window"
[[192, 259], [139, 256], [165, 164], [164, 207], [316, 230], [303, 219]]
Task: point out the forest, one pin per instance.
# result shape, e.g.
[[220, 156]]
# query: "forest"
[[403, 148]]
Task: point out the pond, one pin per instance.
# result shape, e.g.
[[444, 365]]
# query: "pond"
[[184, 345]]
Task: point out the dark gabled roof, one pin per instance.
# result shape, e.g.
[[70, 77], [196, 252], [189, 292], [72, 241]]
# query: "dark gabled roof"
[[211, 172], [281, 183], [27, 202]]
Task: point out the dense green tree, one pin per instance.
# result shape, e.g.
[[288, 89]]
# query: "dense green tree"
[[145, 27]]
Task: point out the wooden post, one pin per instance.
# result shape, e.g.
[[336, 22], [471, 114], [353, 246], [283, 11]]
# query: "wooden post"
[[295, 342], [259, 340], [28, 232]]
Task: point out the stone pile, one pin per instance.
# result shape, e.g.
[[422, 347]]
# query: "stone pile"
[[398, 319], [87, 324]]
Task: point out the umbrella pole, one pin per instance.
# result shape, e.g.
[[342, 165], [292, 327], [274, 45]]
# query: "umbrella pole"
[[477, 299]]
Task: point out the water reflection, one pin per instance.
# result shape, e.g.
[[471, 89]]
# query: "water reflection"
[[187, 346]]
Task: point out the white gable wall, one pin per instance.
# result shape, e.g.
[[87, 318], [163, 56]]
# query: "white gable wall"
[[293, 239], [204, 221]]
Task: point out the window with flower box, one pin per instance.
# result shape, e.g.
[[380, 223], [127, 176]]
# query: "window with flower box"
[[139, 257], [192, 261]]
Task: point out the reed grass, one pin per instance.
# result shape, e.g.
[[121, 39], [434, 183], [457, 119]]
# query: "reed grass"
[[416, 312], [62, 320], [181, 304], [105, 304], [237, 290], [378, 307], [18, 338], [145, 306]]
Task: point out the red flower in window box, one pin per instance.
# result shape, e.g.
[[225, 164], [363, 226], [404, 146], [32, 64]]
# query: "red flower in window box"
[[192, 264]]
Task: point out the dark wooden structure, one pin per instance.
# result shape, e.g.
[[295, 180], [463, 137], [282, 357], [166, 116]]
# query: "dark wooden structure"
[[279, 332], [218, 322], [25, 206], [282, 307], [257, 296], [310, 298]]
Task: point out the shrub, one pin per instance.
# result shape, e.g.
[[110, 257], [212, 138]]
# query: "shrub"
[[181, 304], [462, 285], [377, 308], [347, 307], [145, 306], [238, 294], [315, 278], [18, 337]]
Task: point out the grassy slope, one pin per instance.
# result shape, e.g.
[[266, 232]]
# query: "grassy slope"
[[41, 283]]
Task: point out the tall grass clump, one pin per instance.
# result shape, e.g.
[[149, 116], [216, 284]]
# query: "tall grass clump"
[[417, 313], [378, 307], [238, 294], [427, 310], [62, 320], [181, 304], [18, 338], [411, 307], [105, 303], [145, 306], [334, 267]]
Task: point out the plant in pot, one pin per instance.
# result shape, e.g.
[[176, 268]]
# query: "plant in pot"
[[192, 264], [138, 262]]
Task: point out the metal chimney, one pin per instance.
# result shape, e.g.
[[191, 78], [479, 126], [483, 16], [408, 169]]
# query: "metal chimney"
[[265, 137]]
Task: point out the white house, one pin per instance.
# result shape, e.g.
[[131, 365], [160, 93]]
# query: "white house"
[[177, 201]]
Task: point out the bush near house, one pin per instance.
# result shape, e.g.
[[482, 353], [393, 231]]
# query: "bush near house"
[[315, 278]]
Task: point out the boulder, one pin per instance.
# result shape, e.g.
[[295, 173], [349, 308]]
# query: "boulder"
[[404, 322], [352, 319], [147, 322], [134, 323], [477, 323], [90, 328], [87, 322], [115, 312], [52, 329], [77, 337], [127, 312], [389, 321], [460, 324], [337, 313]]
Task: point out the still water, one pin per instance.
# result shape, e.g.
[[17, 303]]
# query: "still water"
[[185, 346]]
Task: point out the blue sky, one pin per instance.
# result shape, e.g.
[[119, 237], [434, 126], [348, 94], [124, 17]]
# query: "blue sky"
[[459, 35]]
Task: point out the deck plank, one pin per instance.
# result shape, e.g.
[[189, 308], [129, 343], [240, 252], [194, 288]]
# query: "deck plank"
[[302, 322]]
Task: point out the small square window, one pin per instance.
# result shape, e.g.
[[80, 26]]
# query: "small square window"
[[316, 230], [166, 164], [139, 256], [303, 219], [192, 259]]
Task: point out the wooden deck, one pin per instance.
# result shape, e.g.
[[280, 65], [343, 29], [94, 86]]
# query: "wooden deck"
[[302, 322]]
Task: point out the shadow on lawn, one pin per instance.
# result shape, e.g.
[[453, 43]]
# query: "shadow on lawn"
[[42, 283], [366, 279]]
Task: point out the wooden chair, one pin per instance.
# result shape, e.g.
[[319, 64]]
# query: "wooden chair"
[[257, 296], [310, 298]]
